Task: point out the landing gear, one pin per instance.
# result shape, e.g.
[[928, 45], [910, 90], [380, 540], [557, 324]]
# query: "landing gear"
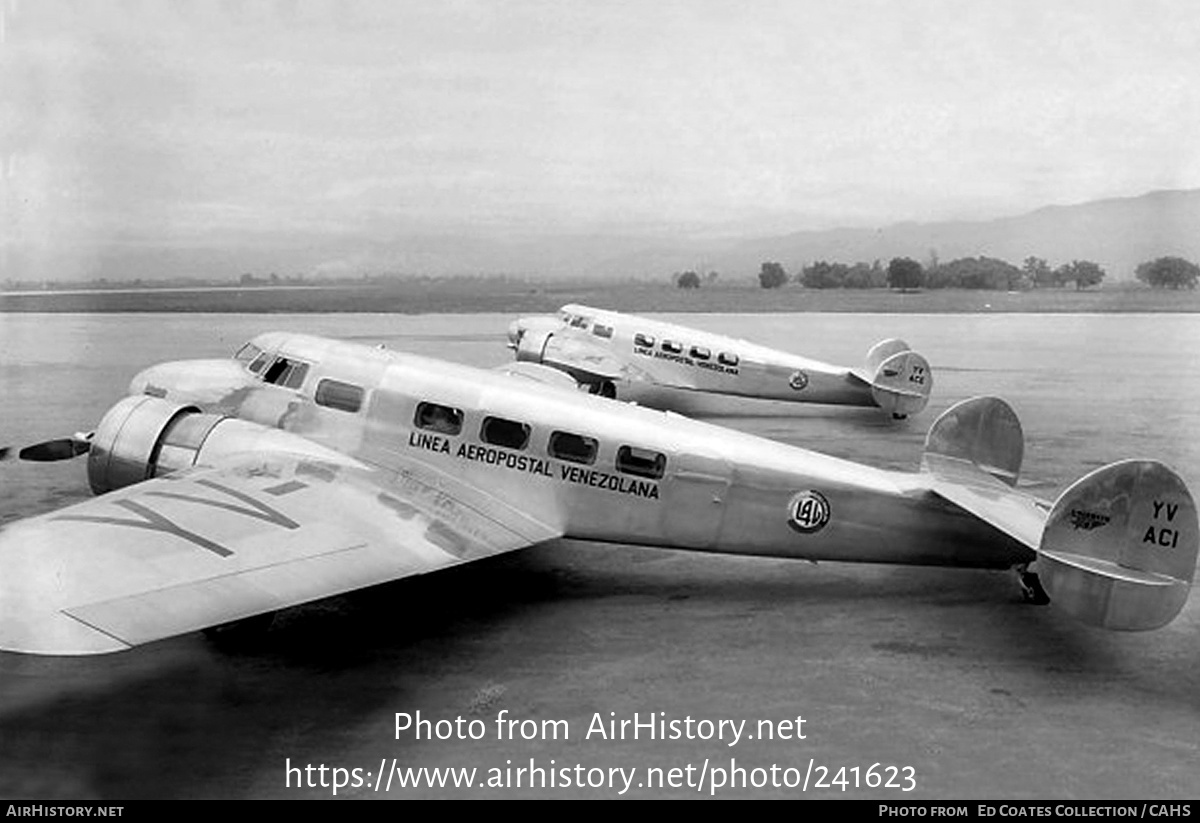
[[604, 388], [1031, 587]]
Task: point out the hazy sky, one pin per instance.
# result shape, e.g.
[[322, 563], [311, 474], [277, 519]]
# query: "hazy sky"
[[174, 123]]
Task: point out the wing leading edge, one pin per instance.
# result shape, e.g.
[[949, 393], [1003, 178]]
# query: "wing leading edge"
[[213, 545]]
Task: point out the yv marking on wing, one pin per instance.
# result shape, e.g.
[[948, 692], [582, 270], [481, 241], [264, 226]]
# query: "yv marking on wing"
[[151, 520]]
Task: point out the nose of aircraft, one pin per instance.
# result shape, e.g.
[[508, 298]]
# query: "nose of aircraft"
[[515, 329], [191, 380]]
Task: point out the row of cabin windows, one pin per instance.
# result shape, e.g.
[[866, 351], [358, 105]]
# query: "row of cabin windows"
[[567, 446], [647, 341]]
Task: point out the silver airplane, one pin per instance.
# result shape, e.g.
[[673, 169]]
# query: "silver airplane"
[[305, 467], [651, 362]]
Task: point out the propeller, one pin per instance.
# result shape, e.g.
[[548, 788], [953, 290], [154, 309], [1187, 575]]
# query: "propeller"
[[63, 448]]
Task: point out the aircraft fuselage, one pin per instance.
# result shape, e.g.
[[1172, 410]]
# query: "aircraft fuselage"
[[601, 469]]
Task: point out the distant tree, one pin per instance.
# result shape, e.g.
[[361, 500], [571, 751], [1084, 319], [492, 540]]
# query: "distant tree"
[[975, 273], [1039, 272], [688, 280], [1169, 273], [1082, 273], [863, 276], [772, 276], [823, 275], [904, 273], [711, 277]]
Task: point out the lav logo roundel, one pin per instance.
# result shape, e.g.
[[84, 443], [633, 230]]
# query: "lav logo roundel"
[[798, 381], [808, 512]]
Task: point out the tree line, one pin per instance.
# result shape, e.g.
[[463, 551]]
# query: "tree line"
[[990, 273]]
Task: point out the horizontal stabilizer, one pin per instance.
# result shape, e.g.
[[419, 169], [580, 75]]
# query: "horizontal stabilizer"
[[984, 431], [1119, 548], [994, 502]]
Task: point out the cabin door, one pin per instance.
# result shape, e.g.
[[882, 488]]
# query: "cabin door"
[[695, 491]]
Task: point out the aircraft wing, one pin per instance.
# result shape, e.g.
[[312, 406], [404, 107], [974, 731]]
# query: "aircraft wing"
[[213, 545], [971, 488], [587, 362]]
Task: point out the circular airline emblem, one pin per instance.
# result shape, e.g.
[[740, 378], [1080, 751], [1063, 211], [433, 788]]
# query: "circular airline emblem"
[[808, 512], [798, 380]]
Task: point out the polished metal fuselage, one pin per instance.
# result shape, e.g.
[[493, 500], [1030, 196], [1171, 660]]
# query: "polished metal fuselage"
[[732, 366], [720, 490]]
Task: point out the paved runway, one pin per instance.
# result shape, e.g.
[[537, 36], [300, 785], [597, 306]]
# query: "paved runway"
[[944, 675]]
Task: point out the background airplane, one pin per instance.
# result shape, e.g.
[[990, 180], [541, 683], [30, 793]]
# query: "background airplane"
[[633, 358], [307, 467]]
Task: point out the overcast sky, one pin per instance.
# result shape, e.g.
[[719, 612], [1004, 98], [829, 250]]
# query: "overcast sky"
[[163, 122]]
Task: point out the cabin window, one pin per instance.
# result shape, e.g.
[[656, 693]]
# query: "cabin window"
[[672, 347], [641, 462], [507, 433], [701, 353], [287, 373], [573, 448], [646, 341], [602, 331], [338, 395], [727, 359], [437, 418]]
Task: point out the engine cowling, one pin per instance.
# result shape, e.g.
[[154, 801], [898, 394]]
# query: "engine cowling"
[[142, 437], [532, 345]]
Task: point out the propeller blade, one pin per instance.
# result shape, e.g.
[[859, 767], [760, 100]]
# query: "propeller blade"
[[63, 448]]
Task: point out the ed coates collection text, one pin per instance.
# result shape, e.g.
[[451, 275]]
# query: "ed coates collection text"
[[711, 776]]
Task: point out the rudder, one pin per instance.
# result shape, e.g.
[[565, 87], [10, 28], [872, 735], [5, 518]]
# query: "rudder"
[[984, 431]]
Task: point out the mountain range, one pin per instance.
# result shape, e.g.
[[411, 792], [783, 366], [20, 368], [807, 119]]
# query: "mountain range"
[[1117, 233]]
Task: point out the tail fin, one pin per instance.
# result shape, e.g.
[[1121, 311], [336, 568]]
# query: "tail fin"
[[984, 431], [900, 378], [1119, 548]]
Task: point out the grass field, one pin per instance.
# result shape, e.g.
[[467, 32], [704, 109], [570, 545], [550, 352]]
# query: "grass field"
[[472, 295]]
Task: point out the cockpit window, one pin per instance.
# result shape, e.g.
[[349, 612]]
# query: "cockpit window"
[[247, 353], [580, 322], [601, 330], [287, 373], [259, 363]]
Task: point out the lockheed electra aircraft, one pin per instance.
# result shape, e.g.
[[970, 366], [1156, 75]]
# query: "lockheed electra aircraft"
[[305, 467], [650, 362]]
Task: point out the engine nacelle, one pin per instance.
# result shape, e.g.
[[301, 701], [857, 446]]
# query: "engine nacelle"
[[532, 345], [141, 437]]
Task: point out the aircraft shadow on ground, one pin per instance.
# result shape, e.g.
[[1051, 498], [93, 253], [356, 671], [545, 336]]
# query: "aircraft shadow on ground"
[[185, 718]]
